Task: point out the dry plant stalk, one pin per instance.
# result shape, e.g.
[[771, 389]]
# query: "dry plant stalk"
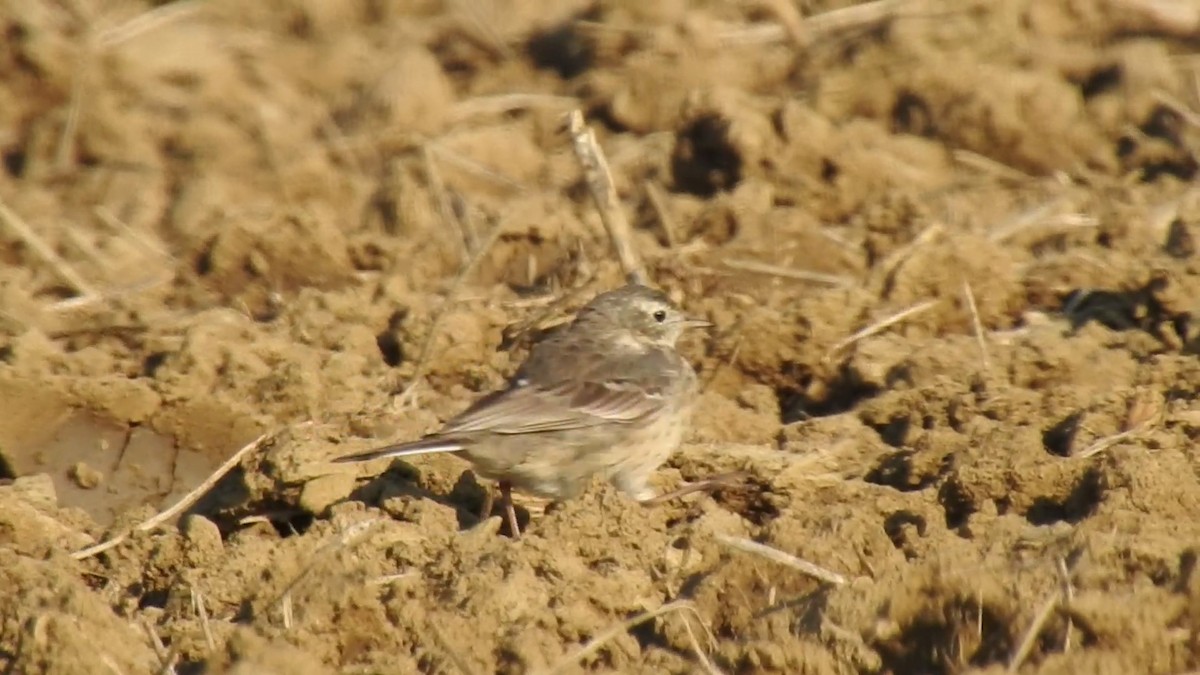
[[1039, 621], [405, 396], [880, 326], [599, 641], [202, 612], [1144, 412], [44, 251], [179, 506], [805, 30], [775, 555], [604, 194], [977, 326], [756, 267]]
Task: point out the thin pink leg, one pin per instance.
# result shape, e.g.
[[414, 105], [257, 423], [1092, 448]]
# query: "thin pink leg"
[[509, 510]]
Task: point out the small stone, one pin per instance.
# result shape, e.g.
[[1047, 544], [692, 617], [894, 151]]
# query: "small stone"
[[85, 476], [37, 489], [201, 532], [320, 493]]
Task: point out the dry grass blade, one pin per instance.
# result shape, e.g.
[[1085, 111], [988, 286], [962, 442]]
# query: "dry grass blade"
[[44, 251], [445, 208], [475, 168], [882, 325], [147, 21], [1106, 443], [389, 578], [788, 272], [658, 201], [709, 667], [120, 227], [1068, 597], [1179, 107], [977, 326], [166, 657], [1039, 621], [202, 611], [604, 194], [1144, 412], [177, 508], [816, 26], [477, 22], [341, 540], [406, 394], [599, 641], [995, 168], [455, 658], [506, 103], [787, 559], [1041, 216]]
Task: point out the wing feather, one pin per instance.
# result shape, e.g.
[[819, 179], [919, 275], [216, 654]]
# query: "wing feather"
[[598, 396]]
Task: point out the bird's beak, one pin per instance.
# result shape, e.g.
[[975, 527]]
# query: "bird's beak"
[[695, 323]]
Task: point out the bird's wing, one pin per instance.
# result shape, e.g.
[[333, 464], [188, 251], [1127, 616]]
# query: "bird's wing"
[[606, 390]]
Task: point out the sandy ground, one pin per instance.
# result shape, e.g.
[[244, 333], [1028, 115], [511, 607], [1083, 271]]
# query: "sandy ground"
[[950, 252]]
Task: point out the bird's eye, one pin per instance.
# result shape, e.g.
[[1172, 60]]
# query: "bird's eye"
[[660, 316]]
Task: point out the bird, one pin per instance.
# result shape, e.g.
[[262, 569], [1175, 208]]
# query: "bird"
[[608, 394]]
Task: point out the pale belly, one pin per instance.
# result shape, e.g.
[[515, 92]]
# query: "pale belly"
[[560, 465]]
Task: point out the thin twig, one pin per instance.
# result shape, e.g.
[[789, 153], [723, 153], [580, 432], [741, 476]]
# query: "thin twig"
[[886, 270], [786, 13], [104, 215], [604, 194], [816, 26], [994, 167], [1068, 596], [597, 642], [1107, 442], [482, 27], [44, 251], [66, 141], [286, 611], [81, 301], [1039, 620], [202, 612], [343, 539], [474, 167], [775, 555], [787, 272], [1179, 107], [709, 666], [506, 103], [389, 578], [658, 201], [166, 657], [147, 21], [977, 325], [179, 506], [881, 325], [451, 295], [455, 658], [1040, 216], [437, 187]]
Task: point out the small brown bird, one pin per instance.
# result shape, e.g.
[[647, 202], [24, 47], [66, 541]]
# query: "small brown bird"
[[606, 395]]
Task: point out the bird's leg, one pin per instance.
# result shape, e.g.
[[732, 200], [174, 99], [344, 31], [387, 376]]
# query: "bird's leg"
[[710, 483], [509, 510]]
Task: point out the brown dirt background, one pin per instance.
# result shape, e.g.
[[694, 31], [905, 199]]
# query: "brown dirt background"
[[267, 205]]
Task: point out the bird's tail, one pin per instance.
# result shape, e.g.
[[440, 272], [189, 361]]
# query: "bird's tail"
[[424, 446]]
